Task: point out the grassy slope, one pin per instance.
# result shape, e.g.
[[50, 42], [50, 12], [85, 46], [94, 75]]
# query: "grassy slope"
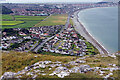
[[15, 61], [101, 61]]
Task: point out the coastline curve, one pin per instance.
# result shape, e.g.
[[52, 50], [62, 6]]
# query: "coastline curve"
[[83, 31]]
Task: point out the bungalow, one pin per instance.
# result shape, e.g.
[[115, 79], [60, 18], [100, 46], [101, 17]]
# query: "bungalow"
[[56, 38], [57, 51], [45, 34], [4, 39], [5, 46], [74, 35], [35, 35], [4, 33], [57, 35], [45, 49], [21, 33], [27, 37], [7, 38], [51, 50]]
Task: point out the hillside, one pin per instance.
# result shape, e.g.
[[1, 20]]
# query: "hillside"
[[29, 65]]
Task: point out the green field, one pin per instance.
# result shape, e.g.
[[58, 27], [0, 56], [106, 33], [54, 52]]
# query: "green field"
[[54, 20], [7, 17], [29, 18], [25, 25], [30, 21], [20, 21], [11, 23]]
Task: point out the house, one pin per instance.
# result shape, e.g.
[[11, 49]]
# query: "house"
[[21, 33], [4, 33], [45, 49], [57, 35], [51, 50], [27, 37], [57, 51], [45, 34], [74, 35]]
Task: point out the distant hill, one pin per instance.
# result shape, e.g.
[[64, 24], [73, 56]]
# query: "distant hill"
[[110, 1], [5, 10], [103, 2]]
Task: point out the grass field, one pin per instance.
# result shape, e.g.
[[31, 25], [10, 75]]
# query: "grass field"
[[30, 21], [11, 23], [29, 18], [20, 21], [54, 20], [25, 25], [7, 17]]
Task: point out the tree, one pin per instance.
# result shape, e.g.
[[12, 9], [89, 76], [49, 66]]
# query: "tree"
[[5, 10]]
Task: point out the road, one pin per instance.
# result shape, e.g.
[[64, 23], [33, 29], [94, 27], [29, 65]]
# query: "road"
[[58, 45], [41, 44], [33, 46]]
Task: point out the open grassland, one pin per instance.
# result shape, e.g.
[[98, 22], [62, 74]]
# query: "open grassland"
[[54, 20], [20, 21], [11, 23], [29, 18], [16, 61], [25, 25], [7, 17], [30, 21]]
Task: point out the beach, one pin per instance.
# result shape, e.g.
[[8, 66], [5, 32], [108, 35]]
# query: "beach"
[[79, 27]]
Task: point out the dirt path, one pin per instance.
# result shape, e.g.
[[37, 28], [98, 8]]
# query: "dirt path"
[[41, 21]]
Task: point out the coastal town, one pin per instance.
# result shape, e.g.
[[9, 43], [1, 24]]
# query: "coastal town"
[[50, 48], [24, 39], [68, 42], [48, 9]]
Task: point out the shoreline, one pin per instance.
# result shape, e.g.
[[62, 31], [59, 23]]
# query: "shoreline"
[[80, 28]]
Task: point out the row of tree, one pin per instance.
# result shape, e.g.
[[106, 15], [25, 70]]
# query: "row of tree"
[[5, 10]]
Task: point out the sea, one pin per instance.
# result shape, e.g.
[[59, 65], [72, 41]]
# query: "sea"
[[102, 24]]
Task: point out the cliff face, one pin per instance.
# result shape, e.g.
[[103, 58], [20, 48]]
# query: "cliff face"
[[5, 10]]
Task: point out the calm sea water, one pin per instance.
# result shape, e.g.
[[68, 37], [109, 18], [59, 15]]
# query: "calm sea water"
[[102, 23]]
